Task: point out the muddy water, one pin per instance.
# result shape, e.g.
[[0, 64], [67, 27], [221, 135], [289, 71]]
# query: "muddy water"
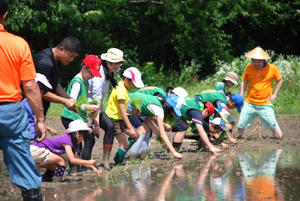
[[251, 174]]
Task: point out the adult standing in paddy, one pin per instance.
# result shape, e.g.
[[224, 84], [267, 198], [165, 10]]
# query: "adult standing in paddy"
[[98, 87], [258, 77], [17, 67], [48, 62]]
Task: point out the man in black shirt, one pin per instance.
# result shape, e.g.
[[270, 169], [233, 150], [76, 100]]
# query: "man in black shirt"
[[48, 62]]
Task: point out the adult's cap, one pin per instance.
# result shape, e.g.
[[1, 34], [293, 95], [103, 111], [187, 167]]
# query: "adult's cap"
[[219, 122], [94, 63], [114, 55], [210, 108], [135, 75], [232, 77], [182, 94], [257, 53], [43, 79], [78, 125], [173, 101], [238, 100]]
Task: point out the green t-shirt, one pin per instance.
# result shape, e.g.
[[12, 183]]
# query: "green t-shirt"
[[82, 115], [191, 103], [140, 101], [152, 91], [220, 87], [212, 96]]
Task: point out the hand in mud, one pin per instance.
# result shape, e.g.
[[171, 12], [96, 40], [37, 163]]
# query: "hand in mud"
[[215, 150], [232, 140], [224, 145], [178, 155], [97, 171], [167, 127]]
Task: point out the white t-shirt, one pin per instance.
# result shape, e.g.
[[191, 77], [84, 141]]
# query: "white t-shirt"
[[156, 110]]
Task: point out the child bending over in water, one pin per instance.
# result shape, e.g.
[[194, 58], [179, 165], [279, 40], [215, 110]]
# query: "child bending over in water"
[[48, 153]]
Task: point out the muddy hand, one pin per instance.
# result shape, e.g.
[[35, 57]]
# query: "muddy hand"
[[215, 150], [178, 155]]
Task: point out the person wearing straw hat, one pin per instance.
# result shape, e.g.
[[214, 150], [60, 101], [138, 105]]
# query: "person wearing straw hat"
[[257, 78], [229, 81], [98, 88], [48, 153]]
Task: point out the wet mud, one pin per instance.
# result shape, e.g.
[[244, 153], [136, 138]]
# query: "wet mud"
[[255, 169]]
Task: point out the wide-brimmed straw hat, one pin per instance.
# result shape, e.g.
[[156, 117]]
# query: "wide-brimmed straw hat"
[[78, 125], [114, 55], [257, 53], [232, 77]]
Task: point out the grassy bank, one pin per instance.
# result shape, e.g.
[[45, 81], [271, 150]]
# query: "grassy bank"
[[286, 103]]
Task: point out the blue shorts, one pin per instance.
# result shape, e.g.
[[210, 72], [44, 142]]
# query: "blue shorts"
[[135, 121], [15, 144], [265, 113]]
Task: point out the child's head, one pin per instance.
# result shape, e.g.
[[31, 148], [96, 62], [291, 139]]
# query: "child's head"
[[216, 125], [77, 129], [235, 101], [208, 110], [90, 67], [132, 78], [231, 79]]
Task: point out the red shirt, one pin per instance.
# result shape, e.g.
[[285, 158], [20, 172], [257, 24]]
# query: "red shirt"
[[16, 65]]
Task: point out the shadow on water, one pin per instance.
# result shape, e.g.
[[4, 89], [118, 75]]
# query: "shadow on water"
[[251, 174]]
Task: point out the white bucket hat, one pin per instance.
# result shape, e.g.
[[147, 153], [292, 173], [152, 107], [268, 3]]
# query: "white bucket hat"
[[78, 125], [257, 53], [113, 55], [182, 96], [135, 75], [42, 79], [219, 122]]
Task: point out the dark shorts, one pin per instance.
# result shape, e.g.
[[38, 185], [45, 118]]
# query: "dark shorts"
[[135, 121]]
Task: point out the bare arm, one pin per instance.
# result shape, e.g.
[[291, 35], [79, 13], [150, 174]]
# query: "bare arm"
[[34, 98], [165, 138], [243, 87], [69, 103], [130, 130], [61, 92], [77, 161], [276, 91], [205, 139]]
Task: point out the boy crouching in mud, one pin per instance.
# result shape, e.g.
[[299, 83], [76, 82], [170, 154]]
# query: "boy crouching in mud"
[[48, 153]]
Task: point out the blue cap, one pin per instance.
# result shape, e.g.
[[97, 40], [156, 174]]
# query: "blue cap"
[[238, 100], [172, 100]]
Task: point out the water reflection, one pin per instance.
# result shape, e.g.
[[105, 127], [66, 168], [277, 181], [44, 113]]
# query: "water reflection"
[[259, 176], [253, 174]]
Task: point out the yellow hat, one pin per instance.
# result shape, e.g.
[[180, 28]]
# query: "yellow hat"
[[257, 53]]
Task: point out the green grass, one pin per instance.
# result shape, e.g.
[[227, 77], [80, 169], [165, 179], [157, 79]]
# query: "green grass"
[[55, 110]]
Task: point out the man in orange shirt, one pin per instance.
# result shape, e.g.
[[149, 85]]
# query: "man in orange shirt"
[[17, 67], [258, 76]]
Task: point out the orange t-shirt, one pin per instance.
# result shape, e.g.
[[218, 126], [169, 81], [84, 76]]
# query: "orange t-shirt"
[[16, 65], [260, 83]]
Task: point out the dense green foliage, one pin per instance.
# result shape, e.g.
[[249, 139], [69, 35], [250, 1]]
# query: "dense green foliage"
[[171, 34]]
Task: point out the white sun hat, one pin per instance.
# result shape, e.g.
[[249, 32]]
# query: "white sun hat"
[[135, 75], [114, 55], [219, 122], [78, 125], [42, 79], [182, 96], [257, 53]]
